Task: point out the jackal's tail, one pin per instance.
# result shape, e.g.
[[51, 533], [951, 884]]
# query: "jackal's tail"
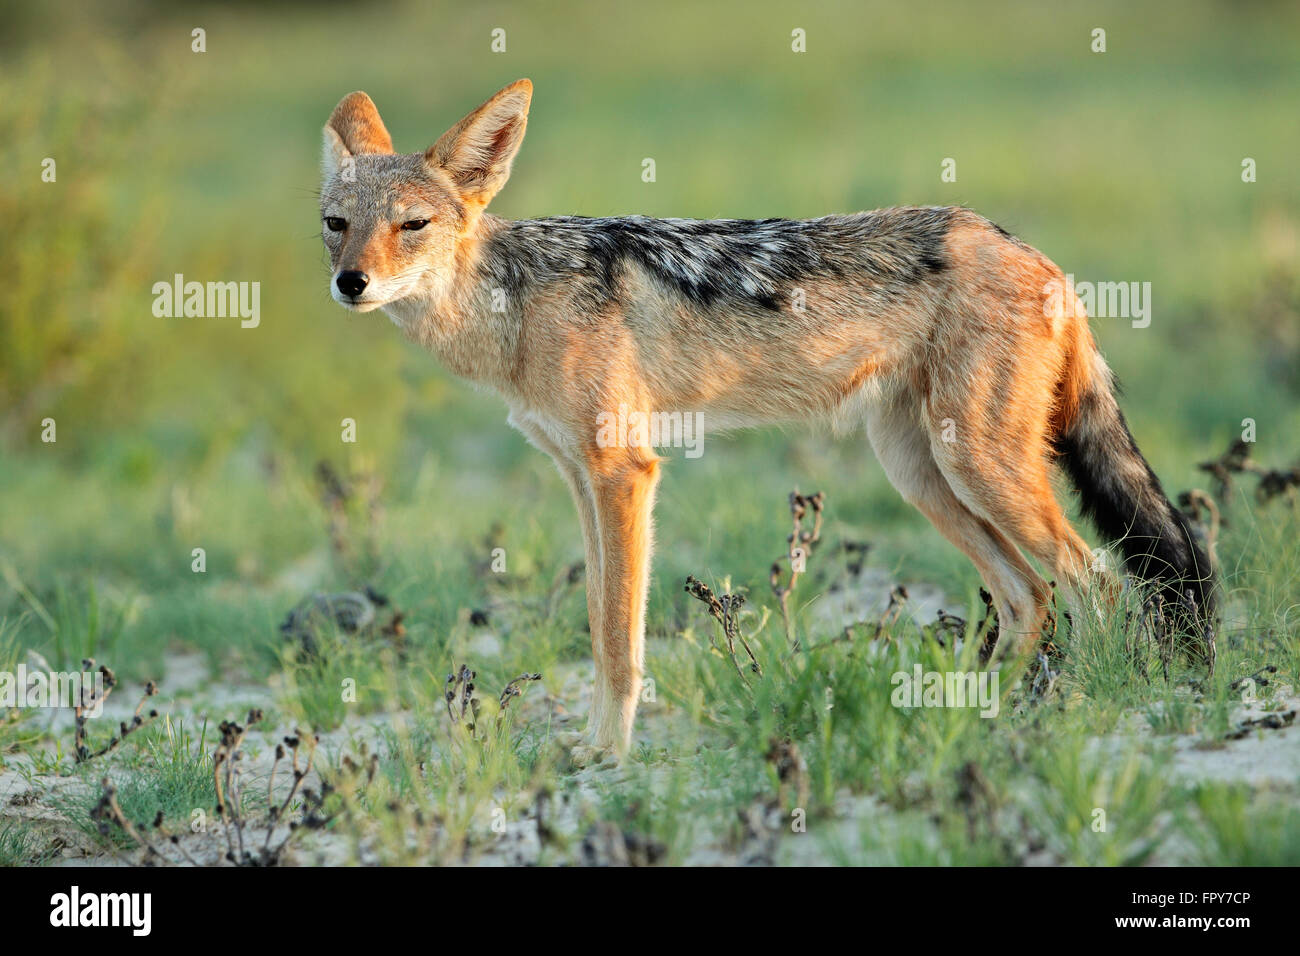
[[1123, 497]]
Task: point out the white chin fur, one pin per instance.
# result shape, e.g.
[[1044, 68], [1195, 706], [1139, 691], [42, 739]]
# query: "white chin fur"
[[362, 306]]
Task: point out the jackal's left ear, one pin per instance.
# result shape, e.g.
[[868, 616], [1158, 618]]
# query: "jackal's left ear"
[[477, 152], [354, 127]]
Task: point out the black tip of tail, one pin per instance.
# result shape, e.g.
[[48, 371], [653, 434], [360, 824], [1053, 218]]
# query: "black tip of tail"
[[1129, 507]]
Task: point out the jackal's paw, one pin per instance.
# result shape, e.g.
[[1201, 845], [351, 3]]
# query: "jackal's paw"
[[581, 754], [597, 758]]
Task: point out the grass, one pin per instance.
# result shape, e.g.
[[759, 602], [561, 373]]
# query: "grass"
[[1240, 828], [1083, 775], [176, 435], [20, 847]]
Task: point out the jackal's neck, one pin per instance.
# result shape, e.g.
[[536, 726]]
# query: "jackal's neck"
[[463, 317]]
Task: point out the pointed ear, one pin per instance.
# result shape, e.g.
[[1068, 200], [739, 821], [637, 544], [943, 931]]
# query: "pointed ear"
[[354, 127], [477, 152], [334, 154]]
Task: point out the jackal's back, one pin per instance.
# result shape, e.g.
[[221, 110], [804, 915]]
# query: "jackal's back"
[[718, 263]]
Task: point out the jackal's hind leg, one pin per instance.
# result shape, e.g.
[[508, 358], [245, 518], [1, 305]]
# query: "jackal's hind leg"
[[902, 444], [1010, 493]]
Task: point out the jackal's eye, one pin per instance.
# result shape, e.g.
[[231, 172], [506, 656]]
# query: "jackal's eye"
[[335, 224], [414, 224]]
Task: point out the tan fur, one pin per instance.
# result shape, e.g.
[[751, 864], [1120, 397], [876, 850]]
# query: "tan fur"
[[975, 351]]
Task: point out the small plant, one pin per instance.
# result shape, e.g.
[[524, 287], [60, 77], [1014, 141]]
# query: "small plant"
[[463, 706], [1272, 483], [93, 701], [226, 778], [351, 502], [725, 610], [800, 543], [242, 846], [513, 689]]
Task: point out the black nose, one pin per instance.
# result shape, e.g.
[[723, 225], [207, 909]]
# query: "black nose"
[[352, 283]]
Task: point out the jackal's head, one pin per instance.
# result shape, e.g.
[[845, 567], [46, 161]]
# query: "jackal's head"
[[392, 222]]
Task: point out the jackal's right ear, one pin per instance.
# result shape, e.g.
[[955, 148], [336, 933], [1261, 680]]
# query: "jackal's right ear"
[[354, 127], [477, 152]]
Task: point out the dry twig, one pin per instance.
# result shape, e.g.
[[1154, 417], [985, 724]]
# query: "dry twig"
[[725, 611]]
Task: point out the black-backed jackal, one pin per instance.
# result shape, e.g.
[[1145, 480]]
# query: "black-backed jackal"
[[925, 324]]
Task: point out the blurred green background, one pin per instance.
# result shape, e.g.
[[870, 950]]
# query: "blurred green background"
[[182, 433]]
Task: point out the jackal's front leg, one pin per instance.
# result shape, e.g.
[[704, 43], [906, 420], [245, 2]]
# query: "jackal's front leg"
[[624, 491], [575, 476]]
